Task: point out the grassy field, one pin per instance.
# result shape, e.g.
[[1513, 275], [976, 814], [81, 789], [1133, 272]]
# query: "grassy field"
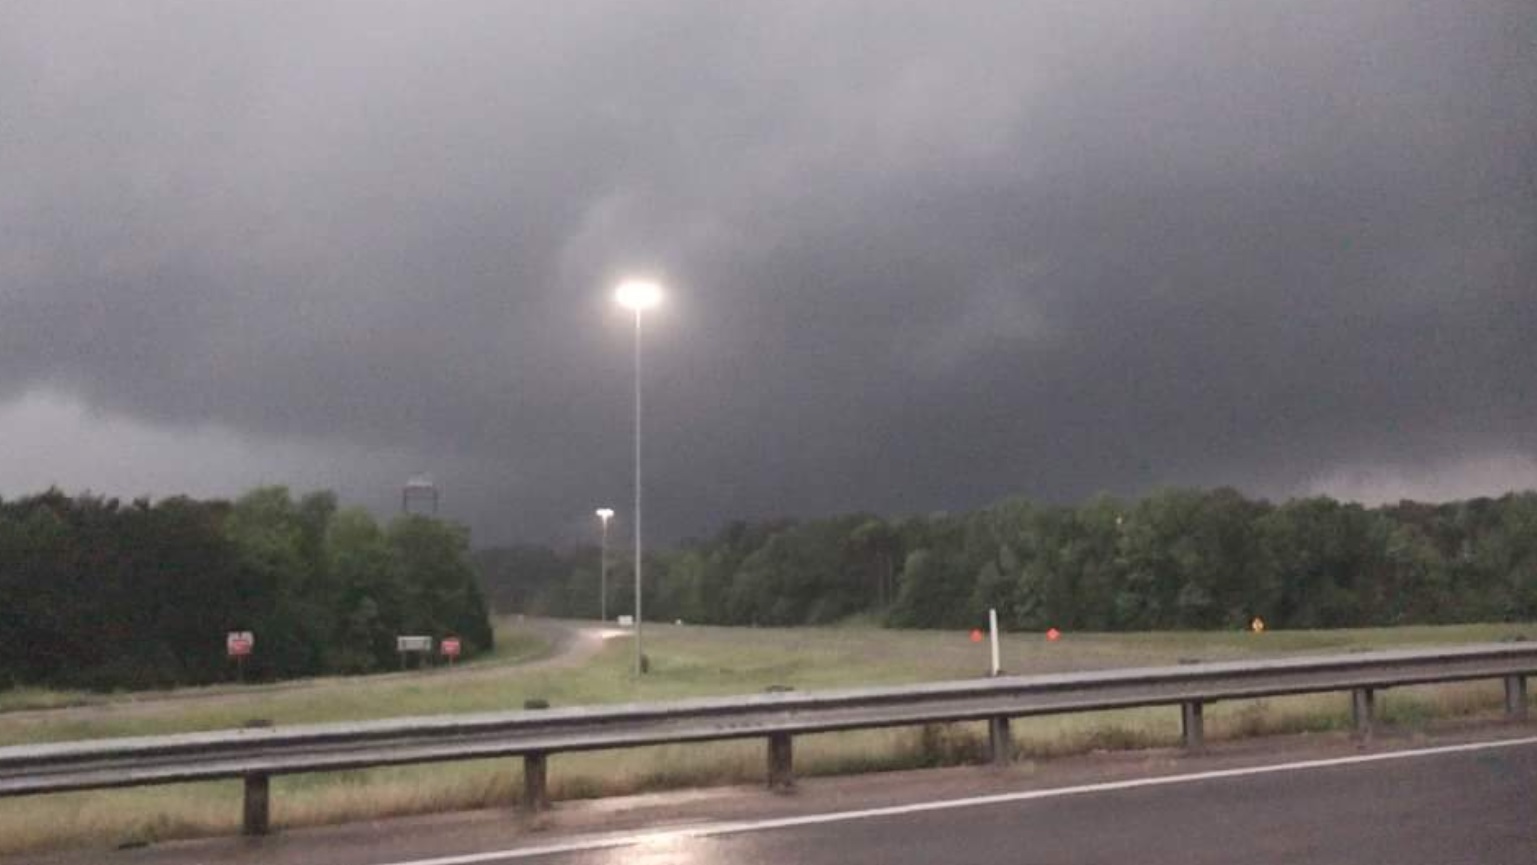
[[686, 661], [514, 646]]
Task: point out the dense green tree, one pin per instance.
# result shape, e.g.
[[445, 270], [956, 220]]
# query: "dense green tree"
[[95, 593], [1318, 550], [929, 594], [1173, 559], [370, 593], [442, 595], [876, 548]]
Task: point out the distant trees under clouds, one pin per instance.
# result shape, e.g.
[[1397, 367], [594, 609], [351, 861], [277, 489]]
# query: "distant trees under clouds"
[[101, 594], [97, 593], [1176, 559]]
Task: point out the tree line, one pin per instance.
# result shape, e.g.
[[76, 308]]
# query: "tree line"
[[99, 593], [1177, 559]]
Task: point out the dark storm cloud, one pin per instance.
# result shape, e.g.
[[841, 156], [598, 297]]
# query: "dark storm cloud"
[[921, 256]]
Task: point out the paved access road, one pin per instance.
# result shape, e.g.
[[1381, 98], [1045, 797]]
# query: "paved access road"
[[1469, 806]]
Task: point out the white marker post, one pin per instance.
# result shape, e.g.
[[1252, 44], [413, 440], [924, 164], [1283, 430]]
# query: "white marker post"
[[992, 627]]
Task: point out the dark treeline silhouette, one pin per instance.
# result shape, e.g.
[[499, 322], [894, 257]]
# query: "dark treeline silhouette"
[[97, 593], [1175, 559]]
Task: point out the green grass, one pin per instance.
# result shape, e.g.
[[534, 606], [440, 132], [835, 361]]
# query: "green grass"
[[686, 661], [515, 644], [228, 705], [21, 699]]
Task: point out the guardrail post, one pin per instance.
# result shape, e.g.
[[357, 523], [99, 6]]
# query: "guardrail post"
[[1515, 697], [257, 813], [1193, 724], [1362, 706], [999, 740], [535, 774], [781, 762]]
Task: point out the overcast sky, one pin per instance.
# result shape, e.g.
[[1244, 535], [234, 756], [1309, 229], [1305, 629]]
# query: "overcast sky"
[[919, 256]]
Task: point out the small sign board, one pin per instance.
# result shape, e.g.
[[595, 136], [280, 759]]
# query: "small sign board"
[[626, 621], [413, 644], [450, 647], [239, 643]]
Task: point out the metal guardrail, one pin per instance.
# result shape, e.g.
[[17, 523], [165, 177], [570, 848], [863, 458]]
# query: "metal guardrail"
[[257, 754]]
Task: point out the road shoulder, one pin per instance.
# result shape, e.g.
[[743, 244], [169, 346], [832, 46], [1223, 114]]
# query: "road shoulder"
[[426, 837]]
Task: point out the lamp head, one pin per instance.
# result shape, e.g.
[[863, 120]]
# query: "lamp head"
[[638, 294]]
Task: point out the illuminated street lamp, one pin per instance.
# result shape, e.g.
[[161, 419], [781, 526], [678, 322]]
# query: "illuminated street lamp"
[[638, 296], [604, 514]]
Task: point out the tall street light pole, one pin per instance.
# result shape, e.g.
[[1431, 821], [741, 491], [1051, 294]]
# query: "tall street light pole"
[[604, 514], [638, 296]]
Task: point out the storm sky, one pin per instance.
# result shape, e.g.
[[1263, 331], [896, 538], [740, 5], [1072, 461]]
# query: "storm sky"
[[919, 256]]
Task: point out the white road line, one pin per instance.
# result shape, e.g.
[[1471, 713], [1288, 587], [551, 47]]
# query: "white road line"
[[605, 842]]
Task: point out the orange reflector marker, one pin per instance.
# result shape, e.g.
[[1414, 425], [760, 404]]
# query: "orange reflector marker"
[[1053, 635], [976, 635]]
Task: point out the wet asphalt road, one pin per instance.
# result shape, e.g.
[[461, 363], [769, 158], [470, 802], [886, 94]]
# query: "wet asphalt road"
[[1465, 800], [1477, 808]]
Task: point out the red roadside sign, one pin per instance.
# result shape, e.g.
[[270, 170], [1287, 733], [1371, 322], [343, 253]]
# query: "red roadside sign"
[[450, 647], [239, 643]]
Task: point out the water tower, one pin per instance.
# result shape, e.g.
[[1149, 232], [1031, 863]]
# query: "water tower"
[[419, 496]]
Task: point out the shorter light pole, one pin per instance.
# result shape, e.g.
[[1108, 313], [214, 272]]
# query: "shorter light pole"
[[604, 514]]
